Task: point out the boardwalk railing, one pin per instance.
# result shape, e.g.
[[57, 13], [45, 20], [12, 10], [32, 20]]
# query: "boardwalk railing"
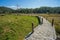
[[52, 22]]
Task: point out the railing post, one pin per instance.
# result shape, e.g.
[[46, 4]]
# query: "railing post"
[[42, 20], [32, 28], [52, 22]]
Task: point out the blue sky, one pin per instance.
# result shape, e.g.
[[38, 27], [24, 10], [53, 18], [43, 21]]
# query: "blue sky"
[[29, 3]]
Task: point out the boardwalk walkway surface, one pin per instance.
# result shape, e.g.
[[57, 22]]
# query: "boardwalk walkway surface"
[[43, 32]]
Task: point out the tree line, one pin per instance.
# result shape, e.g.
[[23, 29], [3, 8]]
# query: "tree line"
[[31, 10]]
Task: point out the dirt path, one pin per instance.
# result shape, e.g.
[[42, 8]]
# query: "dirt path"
[[43, 32]]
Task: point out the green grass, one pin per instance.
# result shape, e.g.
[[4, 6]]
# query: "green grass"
[[16, 27]]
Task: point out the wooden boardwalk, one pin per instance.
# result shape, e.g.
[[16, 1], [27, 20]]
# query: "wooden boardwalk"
[[43, 32]]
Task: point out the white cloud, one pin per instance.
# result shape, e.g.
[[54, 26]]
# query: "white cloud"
[[13, 7]]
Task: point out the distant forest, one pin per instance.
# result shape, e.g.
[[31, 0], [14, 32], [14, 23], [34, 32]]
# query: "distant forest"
[[35, 10]]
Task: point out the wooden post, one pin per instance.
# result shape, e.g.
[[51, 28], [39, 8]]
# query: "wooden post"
[[42, 20], [32, 28], [52, 22]]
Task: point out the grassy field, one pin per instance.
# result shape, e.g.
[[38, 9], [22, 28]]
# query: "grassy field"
[[16, 27]]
